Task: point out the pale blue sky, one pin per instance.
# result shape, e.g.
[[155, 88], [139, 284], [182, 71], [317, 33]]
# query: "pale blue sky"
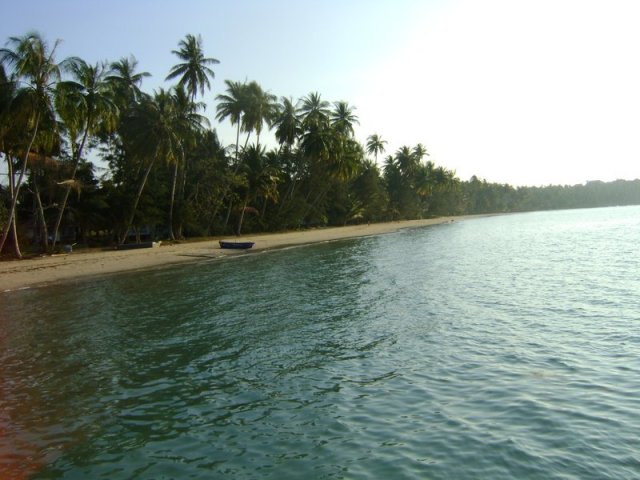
[[524, 92]]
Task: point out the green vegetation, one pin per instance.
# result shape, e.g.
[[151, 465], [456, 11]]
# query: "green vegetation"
[[170, 177]]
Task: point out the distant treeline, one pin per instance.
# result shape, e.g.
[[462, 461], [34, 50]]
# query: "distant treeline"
[[482, 197], [168, 176]]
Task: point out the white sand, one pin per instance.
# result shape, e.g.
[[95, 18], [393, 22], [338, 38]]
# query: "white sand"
[[49, 270]]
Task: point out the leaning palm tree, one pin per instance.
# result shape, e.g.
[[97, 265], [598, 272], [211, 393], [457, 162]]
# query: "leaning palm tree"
[[260, 179], [375, 145], [86, 106], [149, 136], [34, 68], [194, 71]]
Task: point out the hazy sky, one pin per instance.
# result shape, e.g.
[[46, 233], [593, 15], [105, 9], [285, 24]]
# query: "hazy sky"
[[524, 92]]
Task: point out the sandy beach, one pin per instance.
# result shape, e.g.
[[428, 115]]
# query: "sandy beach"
[[47, 270]]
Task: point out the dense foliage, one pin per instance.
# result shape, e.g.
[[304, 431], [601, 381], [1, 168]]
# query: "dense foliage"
[[170, 177]]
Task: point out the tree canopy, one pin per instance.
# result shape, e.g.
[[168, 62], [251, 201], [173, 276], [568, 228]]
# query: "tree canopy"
[[168, 175]]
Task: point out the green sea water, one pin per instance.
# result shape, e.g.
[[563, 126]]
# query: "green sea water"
[[493, 348]]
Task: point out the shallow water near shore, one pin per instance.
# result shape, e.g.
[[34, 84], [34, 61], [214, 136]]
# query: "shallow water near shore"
[[498, 347]]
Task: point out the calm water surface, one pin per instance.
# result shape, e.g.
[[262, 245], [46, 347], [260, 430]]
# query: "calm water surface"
[[494, 348]]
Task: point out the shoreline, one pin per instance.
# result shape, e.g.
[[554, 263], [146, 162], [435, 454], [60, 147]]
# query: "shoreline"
[[61, 268]]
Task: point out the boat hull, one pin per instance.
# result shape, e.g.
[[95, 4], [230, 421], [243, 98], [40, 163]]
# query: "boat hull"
[[236, 245]]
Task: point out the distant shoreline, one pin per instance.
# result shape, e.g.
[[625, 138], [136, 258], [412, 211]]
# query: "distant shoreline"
[[50, 270]]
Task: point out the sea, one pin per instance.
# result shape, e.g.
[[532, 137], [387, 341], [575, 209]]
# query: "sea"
[[500, 347]]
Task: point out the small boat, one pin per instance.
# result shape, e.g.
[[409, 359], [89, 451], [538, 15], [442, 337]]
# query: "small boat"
[[236, 245]]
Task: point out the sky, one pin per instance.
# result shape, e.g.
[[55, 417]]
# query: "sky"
[[513, 91]]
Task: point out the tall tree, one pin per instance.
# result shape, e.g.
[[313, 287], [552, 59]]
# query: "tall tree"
[[34, 67], [375, 145], [261, 179], [231, 105], [187, 124], [149, 136], [343, 119], [287, 122], [126, 81], [85, 105], [260, 107], [314, 111], [194, 71]]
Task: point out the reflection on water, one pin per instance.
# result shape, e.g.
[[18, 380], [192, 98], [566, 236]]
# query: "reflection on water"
[[502, 347]]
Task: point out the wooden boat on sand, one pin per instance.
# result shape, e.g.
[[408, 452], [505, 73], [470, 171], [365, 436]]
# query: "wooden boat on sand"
[[236, 245]]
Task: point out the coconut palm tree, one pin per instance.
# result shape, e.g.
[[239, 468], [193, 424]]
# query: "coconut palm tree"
[[194, 71], [34, 68], [232, 106], [260, 108], [261, 179], [126, 81], [187, 123], [420, 151], [343, 119], [375, 145], [314, 111], [85, 105], [407, 161], [149, 136], [287, 122]]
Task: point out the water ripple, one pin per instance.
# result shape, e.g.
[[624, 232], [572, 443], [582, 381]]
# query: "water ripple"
[[501, 348]]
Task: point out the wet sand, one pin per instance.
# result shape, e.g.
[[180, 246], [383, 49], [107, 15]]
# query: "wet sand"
[[47, 270]]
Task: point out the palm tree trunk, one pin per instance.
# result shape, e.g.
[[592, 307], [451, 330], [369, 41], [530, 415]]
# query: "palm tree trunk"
[[12, 225], [136, 201], [16, 191], [173, 196], [288, 195], [183, 197], [239, 231], [63, 206], [43, 222], [226, 189], [226, 220]]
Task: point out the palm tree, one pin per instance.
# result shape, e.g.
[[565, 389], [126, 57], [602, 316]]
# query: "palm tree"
[[347, 157], [194, 72], [187, 123], [86, 106], [375, 145], [343, 118], [232, 106], [420, 151], [287, 122], [407, 161], [314, 111], [36, 72], [260, 107], [126, 82], [261, 179], [150, 135]]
